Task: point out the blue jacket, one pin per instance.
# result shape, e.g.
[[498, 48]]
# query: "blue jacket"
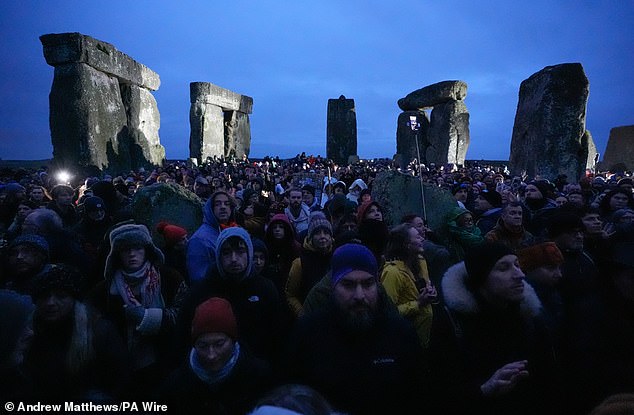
[[202, 246]]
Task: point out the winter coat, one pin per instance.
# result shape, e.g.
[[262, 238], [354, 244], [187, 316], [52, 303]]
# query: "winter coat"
[[513, 238], [402, 287], [471, 340]]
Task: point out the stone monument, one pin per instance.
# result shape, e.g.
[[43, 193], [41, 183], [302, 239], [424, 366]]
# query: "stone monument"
[[341, 131], [219, 120], [549, 134], [102, 112], [445, 137], [620, 148]]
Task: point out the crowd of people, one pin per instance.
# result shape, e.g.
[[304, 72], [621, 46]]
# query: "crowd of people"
[[296, 296]]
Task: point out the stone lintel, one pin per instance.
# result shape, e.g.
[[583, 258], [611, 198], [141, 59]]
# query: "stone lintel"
[[208, 93], [64, 48]]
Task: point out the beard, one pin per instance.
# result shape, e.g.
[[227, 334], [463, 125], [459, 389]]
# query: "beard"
[[358, 318]]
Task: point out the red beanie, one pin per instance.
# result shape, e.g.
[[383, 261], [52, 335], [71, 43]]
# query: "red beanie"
[[214, 316], [173, 234]]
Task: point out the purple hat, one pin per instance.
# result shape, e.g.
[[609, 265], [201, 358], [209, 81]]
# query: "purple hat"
[[352, 257]]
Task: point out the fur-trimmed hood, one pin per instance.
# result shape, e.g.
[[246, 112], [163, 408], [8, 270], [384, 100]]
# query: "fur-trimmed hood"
[[459, 299]]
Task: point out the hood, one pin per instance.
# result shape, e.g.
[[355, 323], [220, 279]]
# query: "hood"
[[289, 234], [458, 298], [455, 213], [242, 234], [358, 183], [131, 234], [208, 212]]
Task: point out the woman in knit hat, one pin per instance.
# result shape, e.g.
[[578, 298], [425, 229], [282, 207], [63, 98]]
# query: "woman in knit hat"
[[221, 376], [175, 247], [143, 299], [312, 264], [75, 355], [490, 352]]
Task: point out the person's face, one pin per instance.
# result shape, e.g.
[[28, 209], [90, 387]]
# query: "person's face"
[[23, 211], [339, 190], [25, 259], [561, 200], [415, 241], [504, 284], [222, 208], [461, 195], [575, 199], [55, 305], [37, 194], [367, 197], [532, 192], [570, 241], [132, 258], [308, 197], [278, 231], [295, 199], [482, 204], [419, 225], [259, 261], [64, 199], [356, 294], [592, 223], [213, 350], [97, 215], [548, 275], [374, 212], [618, 201], [465, 220], [234, 260], [321, 240], [512, 216]]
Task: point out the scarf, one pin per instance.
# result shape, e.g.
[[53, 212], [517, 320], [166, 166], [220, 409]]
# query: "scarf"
[[142, 287], [224, 226], [210, 377]]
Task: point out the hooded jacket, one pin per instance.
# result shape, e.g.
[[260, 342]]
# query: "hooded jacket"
[[472, 340], [202, 245]]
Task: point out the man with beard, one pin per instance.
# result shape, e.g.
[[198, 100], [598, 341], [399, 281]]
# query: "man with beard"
[[363, 358], [297, 211]]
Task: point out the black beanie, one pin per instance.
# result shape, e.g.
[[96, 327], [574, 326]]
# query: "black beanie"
[[480, 260]]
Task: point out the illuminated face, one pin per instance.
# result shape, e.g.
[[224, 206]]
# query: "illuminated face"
[[618, 201], [132, 258], [213, 350], [322, 240], [295, 199], [373, 212], [592, 223], [512, 216], [37, 194], [234, 260], [505, 282], [461, 195], [222, 208], [356, 294], [308, 197], [419, 225], [560, 201], [415, 244], [532, 192]]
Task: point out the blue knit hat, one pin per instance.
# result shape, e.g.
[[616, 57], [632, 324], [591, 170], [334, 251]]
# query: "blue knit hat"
[[352, 257], [33, 240]]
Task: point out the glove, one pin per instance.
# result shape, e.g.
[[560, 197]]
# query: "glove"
[[134, 314]]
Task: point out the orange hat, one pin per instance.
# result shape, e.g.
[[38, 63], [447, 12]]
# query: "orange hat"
[[544, 254], [214, 316], [173, 234]]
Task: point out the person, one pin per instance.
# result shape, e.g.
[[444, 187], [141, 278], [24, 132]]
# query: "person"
[[75, 354], [297, 212], [220, 376], [218, 213], [488, 205], [490, 352], [24, 208], [312, 264], [354, 192], [293, 399], [142, 298], [308, 197], [436, 255], [254, 299], [363, 359], [614, 200], [16, 335], [509, 230], [406, 279], [27, 256], [462, 233], [283, 249], [175, 247], [62, 204]]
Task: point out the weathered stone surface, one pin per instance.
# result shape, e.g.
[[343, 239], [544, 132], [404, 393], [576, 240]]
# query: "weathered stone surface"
[[550, 123], [87, 118], [406, 138], [65, 48], [448, 136], [237, 134], [341, 130], [213, 94], [588, 141], [207, 137], [169, 202], [400, 194], [434, 94], [144, 121], [620, 148]]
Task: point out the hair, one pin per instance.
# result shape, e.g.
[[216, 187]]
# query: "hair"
[[299, 398], [233, 243], [398, 247], [604, 206], [61, 189]]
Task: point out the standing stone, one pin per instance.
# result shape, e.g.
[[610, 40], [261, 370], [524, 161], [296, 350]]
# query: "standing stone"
[[237, 134], [87, 118], [620, 148], [448, 133], [550, 123], [341, 132], [219, 122], [406, 138], [102, 114], [432, 95], [588, 141]]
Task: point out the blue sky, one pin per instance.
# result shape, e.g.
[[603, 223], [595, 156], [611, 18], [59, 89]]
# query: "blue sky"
[[291, 57]]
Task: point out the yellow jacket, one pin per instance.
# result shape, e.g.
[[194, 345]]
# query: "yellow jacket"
[[399, 283]]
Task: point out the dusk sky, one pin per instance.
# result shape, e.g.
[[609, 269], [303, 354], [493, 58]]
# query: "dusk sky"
[[291, 57]]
